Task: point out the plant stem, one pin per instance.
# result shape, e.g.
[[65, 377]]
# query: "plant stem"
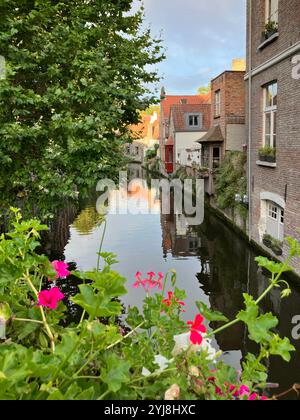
[[46, 325], [28, 320], [125, 336], [101, 245], [103, 395]]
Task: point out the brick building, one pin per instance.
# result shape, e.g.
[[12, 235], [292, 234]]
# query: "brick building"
[[227, 132], [166, 142], [188, 123], [273, 121]]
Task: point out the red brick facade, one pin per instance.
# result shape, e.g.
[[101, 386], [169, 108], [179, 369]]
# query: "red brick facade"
[[280, 182], [231, 85]]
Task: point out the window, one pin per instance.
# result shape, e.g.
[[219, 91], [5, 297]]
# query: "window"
[[270, 115], [183, 101], [193, 120], [217, 103], [216, 157], [273, 211], [272, 11]]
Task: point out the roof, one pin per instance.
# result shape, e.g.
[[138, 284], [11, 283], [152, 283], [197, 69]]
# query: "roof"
[[171, 100], [178, 113], [214, 135]]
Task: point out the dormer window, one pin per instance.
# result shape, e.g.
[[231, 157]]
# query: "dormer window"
[[194, 120], [183, 101]]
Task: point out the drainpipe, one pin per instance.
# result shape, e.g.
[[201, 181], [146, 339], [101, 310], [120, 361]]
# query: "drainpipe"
[[250, 120]]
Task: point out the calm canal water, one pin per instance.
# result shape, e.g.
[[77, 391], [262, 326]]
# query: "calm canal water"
[[213, 264]]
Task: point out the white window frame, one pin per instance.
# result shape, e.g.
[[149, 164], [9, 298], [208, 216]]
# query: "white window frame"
[[272, 111], [218, 103], [272, 11], [194, 117], [273, 210]]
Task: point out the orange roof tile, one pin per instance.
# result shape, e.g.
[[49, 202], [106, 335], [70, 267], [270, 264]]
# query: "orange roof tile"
[[178, 113], [171, 100]]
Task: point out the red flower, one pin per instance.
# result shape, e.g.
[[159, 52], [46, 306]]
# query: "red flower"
[[197, 328], [172, 299]]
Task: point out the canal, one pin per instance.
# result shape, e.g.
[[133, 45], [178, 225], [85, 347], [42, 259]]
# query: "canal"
[[213, 264]]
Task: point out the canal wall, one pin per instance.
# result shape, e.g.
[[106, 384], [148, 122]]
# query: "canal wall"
[[239, 225]]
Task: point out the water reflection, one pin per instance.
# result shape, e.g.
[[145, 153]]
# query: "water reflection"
[[213, 264]]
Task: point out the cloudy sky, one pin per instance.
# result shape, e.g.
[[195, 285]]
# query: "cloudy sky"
[[201, 37]]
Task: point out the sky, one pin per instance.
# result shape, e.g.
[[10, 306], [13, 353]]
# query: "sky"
[[201, 37]]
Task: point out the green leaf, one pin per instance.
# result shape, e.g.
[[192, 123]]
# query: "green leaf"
[[209, 314], [281, 347], [259, 326], [115, 373], [253, 370], [271, 266], [96, 304]]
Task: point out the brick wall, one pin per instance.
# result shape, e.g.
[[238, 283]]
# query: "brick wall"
[[232, 87], [288, 28], [286, 176]]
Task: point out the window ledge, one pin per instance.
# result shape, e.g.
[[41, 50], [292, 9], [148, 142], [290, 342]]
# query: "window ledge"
[[266, 164], [268, 41]]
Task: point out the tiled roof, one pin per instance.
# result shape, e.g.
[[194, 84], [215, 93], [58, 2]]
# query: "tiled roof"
[[178, 113], [214, 135], [170, 101]]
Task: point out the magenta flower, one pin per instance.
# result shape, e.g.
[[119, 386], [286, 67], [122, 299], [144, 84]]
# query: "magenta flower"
[[197, 328], [61, 269], [256, 397], [50, 298], [150, 282]]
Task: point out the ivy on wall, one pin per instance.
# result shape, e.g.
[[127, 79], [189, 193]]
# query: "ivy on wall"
[[231, 180]]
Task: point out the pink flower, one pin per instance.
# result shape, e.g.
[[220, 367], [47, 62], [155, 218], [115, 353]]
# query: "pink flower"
[[61, 269], [171, 300], [50, 298], [197, 328], [244, 390], [256, 397], [148, 283]]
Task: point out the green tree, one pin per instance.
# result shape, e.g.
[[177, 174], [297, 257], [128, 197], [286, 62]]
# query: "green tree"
[[204, 90], [76, 77]]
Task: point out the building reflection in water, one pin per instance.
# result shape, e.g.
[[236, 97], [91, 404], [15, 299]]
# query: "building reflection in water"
[[227, 270]]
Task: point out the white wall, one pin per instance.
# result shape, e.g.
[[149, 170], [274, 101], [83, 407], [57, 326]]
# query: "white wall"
[[184, 141]]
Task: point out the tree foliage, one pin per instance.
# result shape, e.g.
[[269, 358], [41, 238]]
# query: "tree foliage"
[[76, 78]]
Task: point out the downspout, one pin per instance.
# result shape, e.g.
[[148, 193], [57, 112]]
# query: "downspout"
[[250, 120]]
